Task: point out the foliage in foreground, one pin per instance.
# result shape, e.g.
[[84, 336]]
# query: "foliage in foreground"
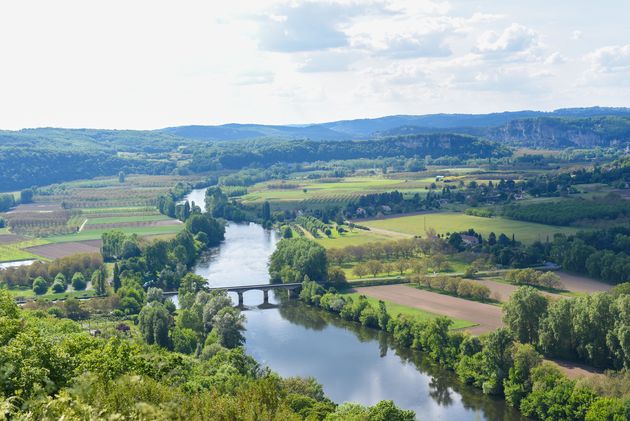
[[53, 369]]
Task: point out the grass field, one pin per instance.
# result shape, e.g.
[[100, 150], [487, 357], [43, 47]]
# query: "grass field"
[[395, 309], [444, 222], [96, 234], [357, 237], [11, 253], [126, 219], [29, 294]]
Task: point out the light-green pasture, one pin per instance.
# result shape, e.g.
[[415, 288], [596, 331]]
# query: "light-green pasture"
[[446, 222]]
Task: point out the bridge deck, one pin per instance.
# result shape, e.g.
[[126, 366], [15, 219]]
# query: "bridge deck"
[[239, 288]]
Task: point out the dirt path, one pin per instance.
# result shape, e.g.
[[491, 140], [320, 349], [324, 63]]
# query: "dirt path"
[[576, 370], [582, 284], [389, 233], [488, 317]]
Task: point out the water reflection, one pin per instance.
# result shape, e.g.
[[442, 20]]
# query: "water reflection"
[[363, 365]]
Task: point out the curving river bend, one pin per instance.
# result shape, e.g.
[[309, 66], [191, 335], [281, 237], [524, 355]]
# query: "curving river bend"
[[351, 362]]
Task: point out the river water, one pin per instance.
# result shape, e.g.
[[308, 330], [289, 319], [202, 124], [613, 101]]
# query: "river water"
[[351, 362]]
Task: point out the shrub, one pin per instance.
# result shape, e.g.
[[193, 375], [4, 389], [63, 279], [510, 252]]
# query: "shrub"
[[78, 281], [480, 292], [59, 286], [336, 275], [40, 286], [368, 317], [452, 284], [464, 289], [57, 312]]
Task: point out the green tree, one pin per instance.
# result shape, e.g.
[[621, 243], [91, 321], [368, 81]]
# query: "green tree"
[[266, 211], [518, 384], [116, 278], [287, 232], [608, 409], [78, 281], [26, 196], [98, 282], [154, 322], [73, 309], [496, 358], [360, 270], [229, 325], [303, 256], [112, 246], [374, 267], [387, 411], [523, 313], [184, 340], [40, 286]]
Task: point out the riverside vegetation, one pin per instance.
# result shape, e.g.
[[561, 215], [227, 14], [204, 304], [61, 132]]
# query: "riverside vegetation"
[[509, 361]]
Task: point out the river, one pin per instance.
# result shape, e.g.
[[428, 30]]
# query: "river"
[[351, 362]]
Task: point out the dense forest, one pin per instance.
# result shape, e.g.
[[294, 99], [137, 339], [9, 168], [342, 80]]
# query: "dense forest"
[[20, 168], [235, 156]]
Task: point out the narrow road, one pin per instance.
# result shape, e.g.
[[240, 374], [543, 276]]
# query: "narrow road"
[[83, 225], [389, 233]]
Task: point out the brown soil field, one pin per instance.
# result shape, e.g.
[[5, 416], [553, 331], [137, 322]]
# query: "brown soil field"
[[488, 317], [582, 284], [502, 292], [576, 370], [10, 238], [57, 251]]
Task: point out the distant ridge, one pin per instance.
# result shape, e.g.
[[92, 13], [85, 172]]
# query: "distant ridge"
[[371, 127]]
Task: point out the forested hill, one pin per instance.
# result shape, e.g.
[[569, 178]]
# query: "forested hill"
[[242, 154], [547, 132], [544, 132]]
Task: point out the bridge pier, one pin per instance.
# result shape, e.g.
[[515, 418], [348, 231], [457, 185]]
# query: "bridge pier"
[[240, 298], [265, 296]]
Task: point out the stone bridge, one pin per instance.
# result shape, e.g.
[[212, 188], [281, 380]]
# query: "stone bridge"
[[265, 288]]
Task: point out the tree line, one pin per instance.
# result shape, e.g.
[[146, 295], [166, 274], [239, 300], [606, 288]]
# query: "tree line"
[[237, 155], [23, 276], [591, 329]]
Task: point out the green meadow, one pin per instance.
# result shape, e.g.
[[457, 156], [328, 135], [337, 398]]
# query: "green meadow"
[[446, 222]]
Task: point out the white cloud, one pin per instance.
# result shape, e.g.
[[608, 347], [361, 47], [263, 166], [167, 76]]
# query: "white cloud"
[[307, 26], [514, 40], [611, 59], [555, 58], [402, 46]]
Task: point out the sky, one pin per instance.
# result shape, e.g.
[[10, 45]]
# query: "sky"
[[146, 64]]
